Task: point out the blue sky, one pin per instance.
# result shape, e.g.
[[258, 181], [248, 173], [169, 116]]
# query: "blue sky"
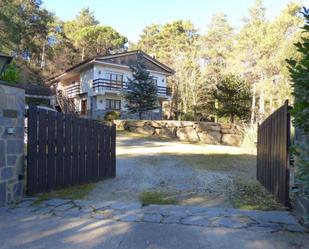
[[129, 17]]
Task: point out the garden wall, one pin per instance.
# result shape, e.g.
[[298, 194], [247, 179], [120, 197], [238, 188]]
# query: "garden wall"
[[205, 132], [12, 107]]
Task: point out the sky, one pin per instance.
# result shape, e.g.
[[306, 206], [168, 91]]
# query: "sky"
[[129, 17]]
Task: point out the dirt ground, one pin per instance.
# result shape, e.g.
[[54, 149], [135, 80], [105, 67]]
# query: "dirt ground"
[[193, 174]]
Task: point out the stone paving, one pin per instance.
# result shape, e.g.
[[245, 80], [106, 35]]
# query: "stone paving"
[[274, 221]]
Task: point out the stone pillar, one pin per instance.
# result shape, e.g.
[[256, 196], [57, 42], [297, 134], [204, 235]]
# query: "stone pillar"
[[12, 106]]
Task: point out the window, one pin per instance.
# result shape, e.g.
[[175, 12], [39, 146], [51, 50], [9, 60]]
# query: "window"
[[115, 79], [113, 104], [155, 80]]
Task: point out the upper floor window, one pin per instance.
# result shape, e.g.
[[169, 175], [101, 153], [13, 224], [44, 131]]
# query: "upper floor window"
[[114, 77], [155, 80]]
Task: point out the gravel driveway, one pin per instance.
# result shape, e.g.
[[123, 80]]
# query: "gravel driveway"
[[193, 174]]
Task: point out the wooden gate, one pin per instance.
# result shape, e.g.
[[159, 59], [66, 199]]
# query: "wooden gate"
[[65, 150], [273, 153]]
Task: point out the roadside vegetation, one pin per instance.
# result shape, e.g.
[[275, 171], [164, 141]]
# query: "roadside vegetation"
[[251, 195], [147, 198], [73, 193]]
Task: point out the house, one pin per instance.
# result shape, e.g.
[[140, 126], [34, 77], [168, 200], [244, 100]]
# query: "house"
[[96, 85]]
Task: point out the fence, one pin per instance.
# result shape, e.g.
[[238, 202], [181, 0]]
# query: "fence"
[[273, 153], [64, 150]]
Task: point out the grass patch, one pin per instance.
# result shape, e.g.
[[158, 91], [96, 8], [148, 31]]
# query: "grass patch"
[[147, 198], [251, 195], [74, 193]]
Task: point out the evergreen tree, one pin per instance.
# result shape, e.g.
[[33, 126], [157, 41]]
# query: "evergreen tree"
[[233, 98], [299, 70], [141, 96]]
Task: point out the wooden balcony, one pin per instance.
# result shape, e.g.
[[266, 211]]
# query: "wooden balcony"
[[72, 90], [105, 85]]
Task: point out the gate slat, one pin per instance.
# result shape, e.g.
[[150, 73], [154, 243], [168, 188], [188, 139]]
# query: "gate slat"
[[32, 155], [95, 158], [89, 151], [82, 144], [68, 150], [113, 150], [75, 157], [51, 171], [59, 150], [42, 158]]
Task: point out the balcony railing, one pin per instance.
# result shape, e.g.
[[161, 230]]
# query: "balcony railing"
[[100, 85], [72, 90]]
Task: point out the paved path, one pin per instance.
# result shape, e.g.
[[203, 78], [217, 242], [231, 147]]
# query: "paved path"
[[61, 223]]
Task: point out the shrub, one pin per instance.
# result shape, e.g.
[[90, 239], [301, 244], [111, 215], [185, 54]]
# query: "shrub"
[[249, 133], [111, 116]]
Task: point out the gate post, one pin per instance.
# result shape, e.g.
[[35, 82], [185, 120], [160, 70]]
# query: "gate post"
[[12, 106]]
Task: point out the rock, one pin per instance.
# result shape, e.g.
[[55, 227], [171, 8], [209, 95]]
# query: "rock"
[[187, 124], [231, 139], [156, 124], [152, 218], [225, 126], [195, 220], [208, 126], [133, 123], [56, 202], [146, 130], [187, 134], [166, 132], [120, 124], [172, 123], [210, 137]]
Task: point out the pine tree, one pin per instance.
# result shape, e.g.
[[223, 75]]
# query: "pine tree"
[[233, 98], [142, 91]]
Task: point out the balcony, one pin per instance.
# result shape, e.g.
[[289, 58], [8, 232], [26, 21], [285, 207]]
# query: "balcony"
[[100, 86], [72, 90]]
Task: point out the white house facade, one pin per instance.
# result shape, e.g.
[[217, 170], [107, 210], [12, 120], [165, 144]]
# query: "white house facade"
[[96, 85]]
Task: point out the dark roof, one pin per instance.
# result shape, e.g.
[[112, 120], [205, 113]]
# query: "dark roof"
[[31, 89], [102, 57]]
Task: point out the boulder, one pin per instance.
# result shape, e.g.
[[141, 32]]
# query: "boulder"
[[172, 123], [187, 124], [134, 123], [210, 137], [120, 124], [166, 132], [146, 130], [187, 134], [208, 126], [226, 125], [156, 124], [231, 139], [229, 131]]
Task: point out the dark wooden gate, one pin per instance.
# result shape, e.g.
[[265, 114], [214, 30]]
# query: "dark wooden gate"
[[273, 153], [65, 150]]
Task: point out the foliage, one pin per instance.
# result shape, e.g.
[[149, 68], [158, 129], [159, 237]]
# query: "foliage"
[[251, 195], [233, 98], [11, 74], [148, 198], [300, 78], [142, 92], [111, 116], [249, 133], [73, 193], [42, 44]]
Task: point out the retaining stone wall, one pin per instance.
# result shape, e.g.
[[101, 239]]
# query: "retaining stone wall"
[[12, 106], [205, 132]]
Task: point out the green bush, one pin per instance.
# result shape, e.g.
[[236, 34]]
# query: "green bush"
[[249, 133], [111, 116]]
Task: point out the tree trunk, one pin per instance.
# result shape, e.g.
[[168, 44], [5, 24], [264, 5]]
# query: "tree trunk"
[[232, 118], [43, 56], [253, 104], [140, 115], [261, 106]]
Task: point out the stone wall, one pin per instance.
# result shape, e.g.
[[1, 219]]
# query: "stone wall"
[[12, 106], [205, 132]]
